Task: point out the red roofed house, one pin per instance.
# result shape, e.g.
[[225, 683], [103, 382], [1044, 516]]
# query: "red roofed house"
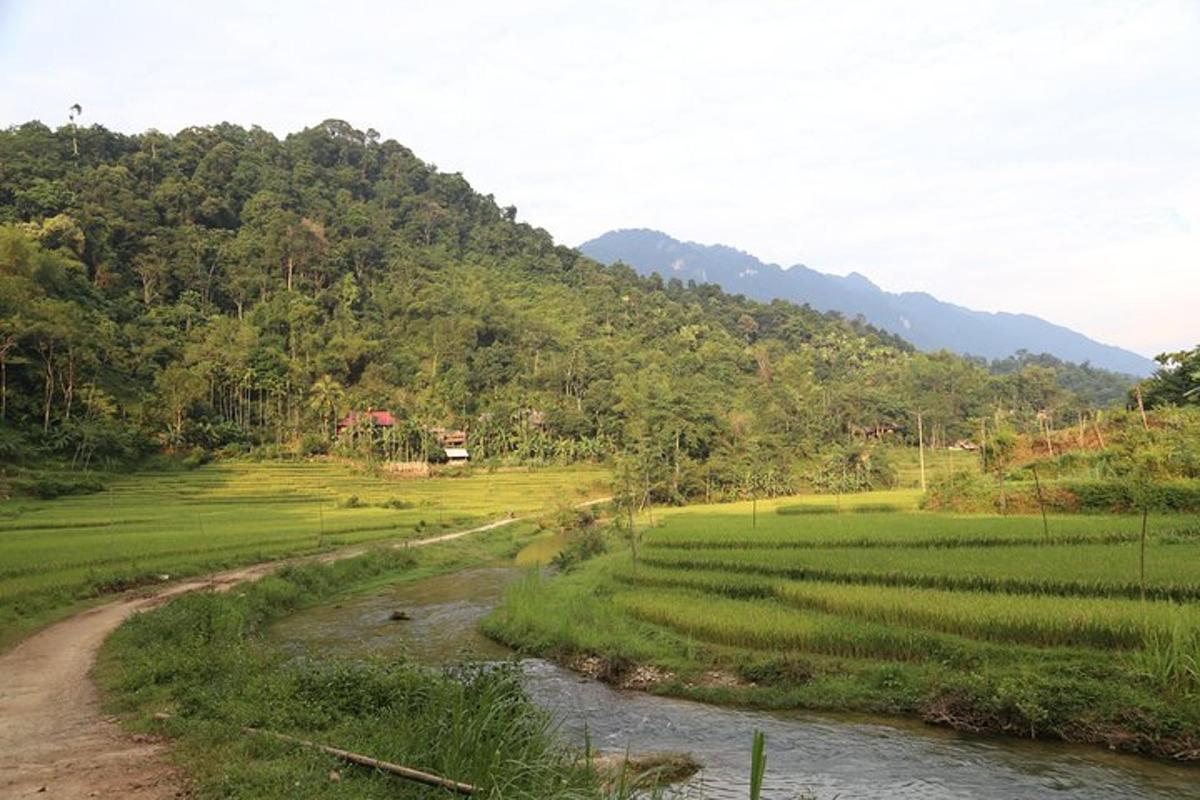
[[380, 419]]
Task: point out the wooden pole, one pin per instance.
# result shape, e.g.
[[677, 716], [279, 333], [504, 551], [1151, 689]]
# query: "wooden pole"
[[632, 532], [921, 447], [415, 775], [983, 444], [1041, 504], [1141, 408], [1142, 552]]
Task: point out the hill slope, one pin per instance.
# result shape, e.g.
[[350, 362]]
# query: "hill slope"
[[222, 289], [921, 318]]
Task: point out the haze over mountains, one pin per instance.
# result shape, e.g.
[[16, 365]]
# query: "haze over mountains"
[[919, 317]]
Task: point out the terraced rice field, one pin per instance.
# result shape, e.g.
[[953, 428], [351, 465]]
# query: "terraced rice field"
[[984, 577], [55, 554], [899, 610]]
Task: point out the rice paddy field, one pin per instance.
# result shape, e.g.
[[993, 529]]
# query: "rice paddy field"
[[58, 554], [978, 622]]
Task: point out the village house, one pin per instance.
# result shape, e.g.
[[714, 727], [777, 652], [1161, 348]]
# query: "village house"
[[453, 444], [380, 419]]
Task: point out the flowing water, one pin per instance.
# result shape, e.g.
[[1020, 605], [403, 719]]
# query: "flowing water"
[[810, 755]]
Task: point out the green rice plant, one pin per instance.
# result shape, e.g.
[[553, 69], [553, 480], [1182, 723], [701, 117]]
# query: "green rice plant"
[[1092, 570], [1040, 620], [870, 528], [767, 625], [56, 555]]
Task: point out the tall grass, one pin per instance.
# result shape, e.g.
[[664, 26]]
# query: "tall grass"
[[758, 764], [1170, 660], [201, 659]]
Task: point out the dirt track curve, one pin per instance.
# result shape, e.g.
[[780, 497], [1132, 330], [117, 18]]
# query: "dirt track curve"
[[55, 743]]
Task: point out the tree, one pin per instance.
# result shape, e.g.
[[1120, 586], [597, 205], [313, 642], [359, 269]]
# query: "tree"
[[272, 269], [999, 450], [1176, 382], [1142, 463], [179, 388], [324, 397]]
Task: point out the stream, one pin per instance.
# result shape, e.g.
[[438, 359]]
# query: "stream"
[[811, 755]]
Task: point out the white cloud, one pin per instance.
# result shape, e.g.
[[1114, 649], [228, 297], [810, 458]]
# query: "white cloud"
[[1006, 155]]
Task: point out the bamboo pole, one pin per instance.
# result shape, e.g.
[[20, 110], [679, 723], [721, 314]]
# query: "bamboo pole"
[[415, 775], [921, 447]]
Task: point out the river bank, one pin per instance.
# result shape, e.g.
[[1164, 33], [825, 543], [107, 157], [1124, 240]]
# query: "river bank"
[[814, 755]]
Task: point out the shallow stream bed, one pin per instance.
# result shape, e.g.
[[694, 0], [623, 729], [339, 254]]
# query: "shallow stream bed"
[[823, 756]]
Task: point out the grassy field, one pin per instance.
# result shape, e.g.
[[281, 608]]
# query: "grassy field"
[[202, 658], [978, 622], [58, 554]]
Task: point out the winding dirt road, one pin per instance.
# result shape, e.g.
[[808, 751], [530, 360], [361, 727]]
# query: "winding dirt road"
[[55, 743]]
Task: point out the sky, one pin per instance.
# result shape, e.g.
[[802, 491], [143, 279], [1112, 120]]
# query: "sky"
[[1012, 155]]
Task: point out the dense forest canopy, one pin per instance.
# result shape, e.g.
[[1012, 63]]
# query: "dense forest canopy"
[[223, 288]]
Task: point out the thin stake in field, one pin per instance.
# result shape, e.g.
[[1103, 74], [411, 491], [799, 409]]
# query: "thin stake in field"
[[1042, 505], [921, 447]]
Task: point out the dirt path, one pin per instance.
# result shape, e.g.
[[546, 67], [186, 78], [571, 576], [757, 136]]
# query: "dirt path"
[[55, 743]]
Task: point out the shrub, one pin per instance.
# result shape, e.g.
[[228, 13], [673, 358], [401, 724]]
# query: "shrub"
[[48, 487], [584, 543]]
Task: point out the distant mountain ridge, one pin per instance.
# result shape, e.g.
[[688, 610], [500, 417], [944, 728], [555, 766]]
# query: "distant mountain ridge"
[[919, 317]]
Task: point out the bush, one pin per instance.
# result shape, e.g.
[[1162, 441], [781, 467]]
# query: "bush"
[[48, 487], [961, 491], [855, 468], [313, 444], [968, 493], [397, 504], [584, 543], [806, 508]]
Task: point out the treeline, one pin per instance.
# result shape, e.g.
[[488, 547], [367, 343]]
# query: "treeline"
[[222, 289]]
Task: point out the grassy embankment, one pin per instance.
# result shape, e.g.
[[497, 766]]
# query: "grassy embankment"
[[203, 661], [56, 555], [976, 622]]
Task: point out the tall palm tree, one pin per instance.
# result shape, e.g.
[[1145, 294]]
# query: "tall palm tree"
[[324, 397]]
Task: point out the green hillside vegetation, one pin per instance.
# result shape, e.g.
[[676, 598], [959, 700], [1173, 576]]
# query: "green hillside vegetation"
[[223, 290], [1102, 387], [976, 622], [1130, 463]]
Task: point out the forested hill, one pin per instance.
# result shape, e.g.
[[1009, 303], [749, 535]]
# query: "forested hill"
[[222, 288], [921, 318]]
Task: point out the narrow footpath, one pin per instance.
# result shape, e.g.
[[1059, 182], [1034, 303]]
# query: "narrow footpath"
[[54, 740]]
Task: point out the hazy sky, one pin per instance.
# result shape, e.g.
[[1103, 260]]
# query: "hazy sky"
[[1023, 156]]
